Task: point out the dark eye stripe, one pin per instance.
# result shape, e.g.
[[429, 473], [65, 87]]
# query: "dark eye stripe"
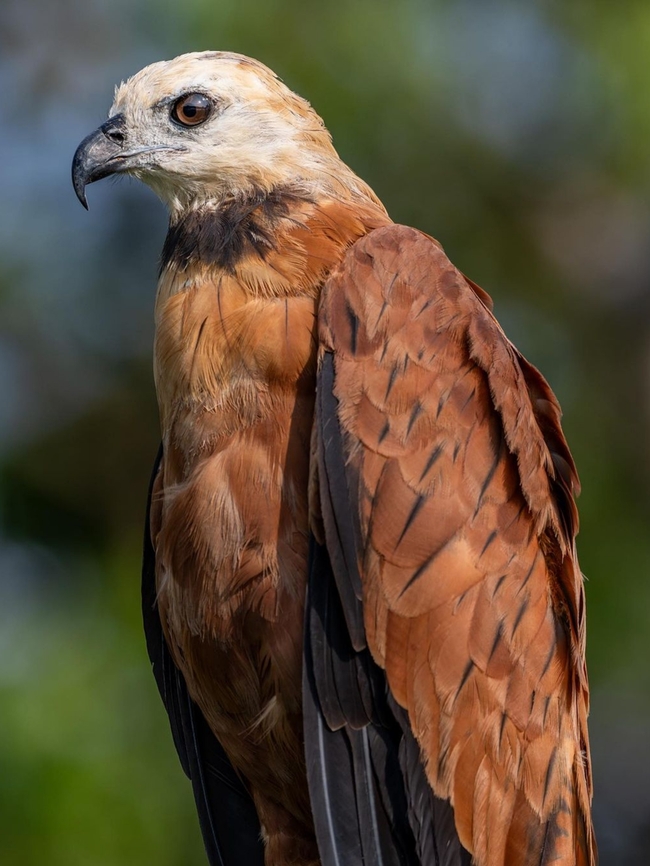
[[191, 109]]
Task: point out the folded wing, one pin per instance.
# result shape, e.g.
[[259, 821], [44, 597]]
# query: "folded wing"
[[446, 498]]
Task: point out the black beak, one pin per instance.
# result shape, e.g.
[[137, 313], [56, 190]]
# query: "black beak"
[[99, 154]]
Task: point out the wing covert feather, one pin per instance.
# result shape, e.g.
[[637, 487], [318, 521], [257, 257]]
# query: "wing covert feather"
[[461, 488]]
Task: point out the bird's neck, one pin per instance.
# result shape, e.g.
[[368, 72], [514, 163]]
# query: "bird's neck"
[[236, 330], [228, 233]]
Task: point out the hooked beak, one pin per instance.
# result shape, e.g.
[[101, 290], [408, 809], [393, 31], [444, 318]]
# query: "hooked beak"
[[103, 153], [99, 154]]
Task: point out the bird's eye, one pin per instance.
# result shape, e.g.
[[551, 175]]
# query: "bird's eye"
[[191, 109]]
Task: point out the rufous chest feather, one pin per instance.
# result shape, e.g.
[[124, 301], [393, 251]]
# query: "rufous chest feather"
[[237, 325], [220, 354], [235, 369]]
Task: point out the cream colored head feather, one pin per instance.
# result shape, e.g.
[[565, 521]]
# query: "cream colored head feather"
[[258, 134]]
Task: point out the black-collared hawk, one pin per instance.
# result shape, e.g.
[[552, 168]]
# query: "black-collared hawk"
[[361, 594]]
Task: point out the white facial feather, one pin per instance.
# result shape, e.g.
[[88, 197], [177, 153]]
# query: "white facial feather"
[[260, 135]]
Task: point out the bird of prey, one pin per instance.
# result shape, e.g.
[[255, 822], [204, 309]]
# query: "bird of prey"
[[361, 594]]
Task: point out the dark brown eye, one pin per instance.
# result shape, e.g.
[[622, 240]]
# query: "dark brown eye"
[[192, 109]]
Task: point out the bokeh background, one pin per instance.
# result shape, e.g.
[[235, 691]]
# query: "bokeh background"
[[518, 133]]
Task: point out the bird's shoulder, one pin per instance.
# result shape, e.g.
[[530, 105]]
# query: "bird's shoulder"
[[395, 292]]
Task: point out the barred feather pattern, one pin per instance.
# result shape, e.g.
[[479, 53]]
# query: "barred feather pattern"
[[462, 489]]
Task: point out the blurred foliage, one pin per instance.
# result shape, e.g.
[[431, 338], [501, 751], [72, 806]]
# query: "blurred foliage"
[[516, 133]]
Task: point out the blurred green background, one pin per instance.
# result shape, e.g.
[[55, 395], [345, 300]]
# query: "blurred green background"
[[518, 133]]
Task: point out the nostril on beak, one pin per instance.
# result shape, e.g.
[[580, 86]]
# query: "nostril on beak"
[[114, 129], [116, 136]]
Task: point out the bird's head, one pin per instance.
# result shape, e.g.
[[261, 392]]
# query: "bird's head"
[[204, 126]]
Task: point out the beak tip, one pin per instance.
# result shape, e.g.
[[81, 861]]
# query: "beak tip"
[[80, 192], [79, 179], [81, 195]]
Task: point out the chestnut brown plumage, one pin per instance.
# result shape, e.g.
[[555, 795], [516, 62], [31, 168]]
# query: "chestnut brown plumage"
[[351, 443]]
